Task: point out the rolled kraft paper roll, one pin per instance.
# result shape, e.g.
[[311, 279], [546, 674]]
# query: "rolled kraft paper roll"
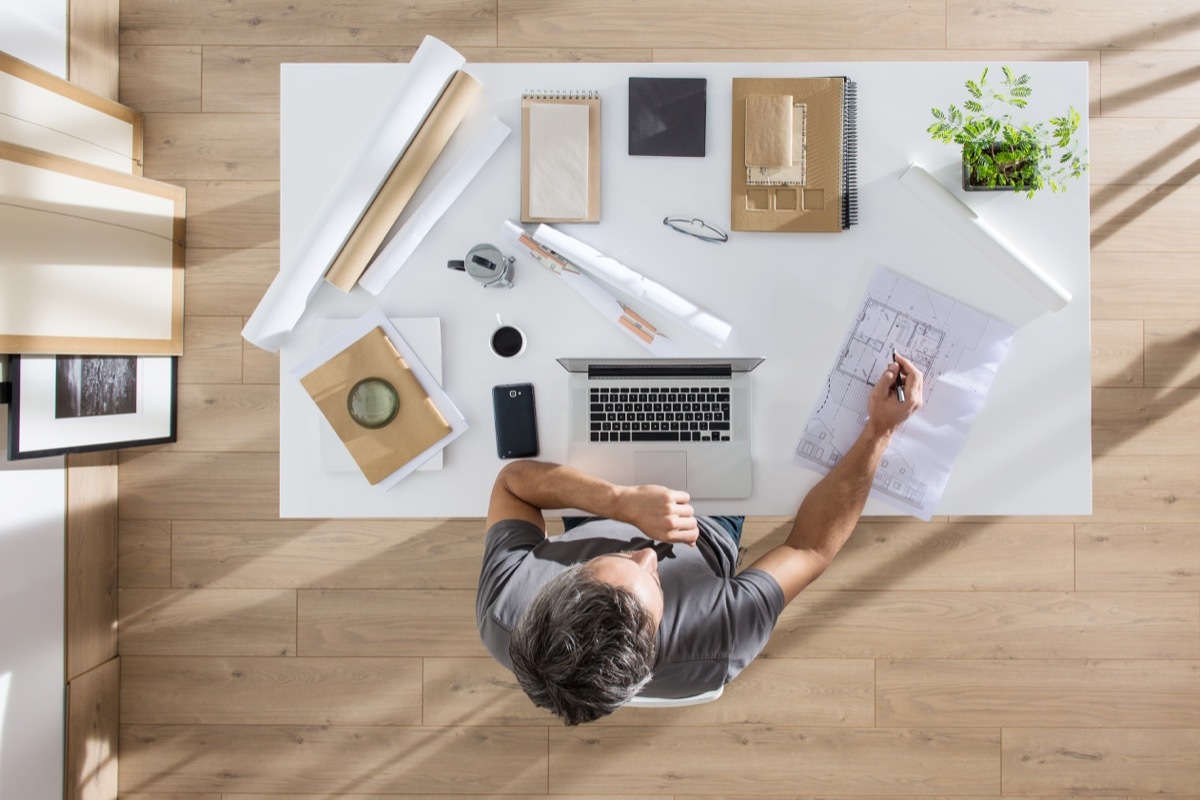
[[283, 304], [400, 186], [987, 240]]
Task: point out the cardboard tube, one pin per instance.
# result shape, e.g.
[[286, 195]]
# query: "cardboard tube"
[[400, 186]]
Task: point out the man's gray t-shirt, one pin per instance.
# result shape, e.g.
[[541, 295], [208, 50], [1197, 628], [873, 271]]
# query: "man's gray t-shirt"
[[714, 623]]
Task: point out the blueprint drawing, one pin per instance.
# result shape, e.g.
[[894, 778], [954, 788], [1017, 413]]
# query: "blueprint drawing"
[[957, 348]]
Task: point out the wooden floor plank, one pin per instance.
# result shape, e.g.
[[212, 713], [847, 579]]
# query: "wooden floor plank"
[[1118, 353], [1173, 353], [91, 747], [212, 146], [161, 78], [387, 622], [950, 556], [1150, 83], [227, 418], [1148, 219], [212, 348], [232, 214], [330, 554], [227, 283], [242, 690], [1060, 693], [259, 366], [1154, 421], [172, 485], [1137, 557], [144, 552], [988, 625], [1120, 289], [1148, 489], [170, 622], [709, 23], [778, 692], [1080, 761], [1146, 151], [352, 22], [1071, 24], [332, 760], [775, 760]]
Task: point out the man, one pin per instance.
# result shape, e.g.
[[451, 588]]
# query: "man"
[[589, 619]]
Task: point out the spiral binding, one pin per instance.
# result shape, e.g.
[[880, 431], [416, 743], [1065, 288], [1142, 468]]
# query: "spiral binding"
[[850, 156], [561, 94]]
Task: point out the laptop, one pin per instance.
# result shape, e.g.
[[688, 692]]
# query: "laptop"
[[681, 423]]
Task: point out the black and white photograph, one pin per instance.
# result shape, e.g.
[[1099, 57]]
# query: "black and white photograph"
[[95, 386], [76, 404]]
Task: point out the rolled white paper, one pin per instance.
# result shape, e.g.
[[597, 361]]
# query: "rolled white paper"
[[431, 68], [984, 238], [395, 254], [621, 277]]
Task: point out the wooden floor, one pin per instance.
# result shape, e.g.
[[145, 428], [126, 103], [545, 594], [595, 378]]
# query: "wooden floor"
[[1047, 657]]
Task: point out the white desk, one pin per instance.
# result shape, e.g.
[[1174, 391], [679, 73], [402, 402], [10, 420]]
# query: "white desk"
[[789, 296]]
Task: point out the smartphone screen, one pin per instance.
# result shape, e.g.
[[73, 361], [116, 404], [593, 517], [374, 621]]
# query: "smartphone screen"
[[516, 420]]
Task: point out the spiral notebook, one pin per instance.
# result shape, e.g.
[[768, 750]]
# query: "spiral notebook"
[[560, 156], [795, 154]]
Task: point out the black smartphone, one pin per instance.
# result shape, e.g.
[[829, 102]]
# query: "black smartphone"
[[516, 420]]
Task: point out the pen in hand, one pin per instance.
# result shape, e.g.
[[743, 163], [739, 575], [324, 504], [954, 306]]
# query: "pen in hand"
[[899, 384]]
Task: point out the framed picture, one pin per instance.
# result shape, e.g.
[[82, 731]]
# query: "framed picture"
[[74, 404]]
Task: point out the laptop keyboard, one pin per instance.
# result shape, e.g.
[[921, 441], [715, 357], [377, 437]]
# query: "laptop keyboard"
[[659, 414]]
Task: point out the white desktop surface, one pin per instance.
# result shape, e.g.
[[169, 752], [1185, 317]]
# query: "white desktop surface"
[[789, 296]]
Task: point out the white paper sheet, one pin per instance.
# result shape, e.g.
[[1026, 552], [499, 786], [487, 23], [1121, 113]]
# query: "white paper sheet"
[[354, 331], [966, 223], [431, 68], [558, 160], [957, 348], [634, 284]]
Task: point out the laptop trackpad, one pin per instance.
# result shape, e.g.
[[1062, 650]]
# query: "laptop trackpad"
[[664, 469]]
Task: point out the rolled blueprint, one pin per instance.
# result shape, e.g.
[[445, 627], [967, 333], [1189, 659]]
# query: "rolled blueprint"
[[634, 284], [429, 72], [986, 239], [395, 254]]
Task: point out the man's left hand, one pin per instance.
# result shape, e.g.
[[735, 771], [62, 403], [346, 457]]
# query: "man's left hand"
[[662, 514]]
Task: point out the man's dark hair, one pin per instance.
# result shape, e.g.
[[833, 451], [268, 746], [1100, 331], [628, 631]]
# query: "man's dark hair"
[[583, 647]]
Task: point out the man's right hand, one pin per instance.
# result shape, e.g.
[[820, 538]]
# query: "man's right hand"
[[885, 412], [663, 514]]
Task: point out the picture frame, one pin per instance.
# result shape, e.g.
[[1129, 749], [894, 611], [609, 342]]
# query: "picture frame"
[[93, 260], [78, 404]]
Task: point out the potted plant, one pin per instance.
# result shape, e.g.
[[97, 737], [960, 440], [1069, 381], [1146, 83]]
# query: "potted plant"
[[999, 153]]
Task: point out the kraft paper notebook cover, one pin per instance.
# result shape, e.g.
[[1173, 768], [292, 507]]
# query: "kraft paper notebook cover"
[[403, 181], [817, 189], [560, 156], [418, 424]]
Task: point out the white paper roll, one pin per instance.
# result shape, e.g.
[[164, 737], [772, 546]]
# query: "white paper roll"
[[984, 238], [634, 284], [431, 68]]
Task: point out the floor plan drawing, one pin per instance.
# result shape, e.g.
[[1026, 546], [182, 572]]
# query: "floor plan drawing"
[[957, 348]]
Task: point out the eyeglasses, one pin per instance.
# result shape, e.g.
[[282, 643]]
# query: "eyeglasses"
[[697, 228]]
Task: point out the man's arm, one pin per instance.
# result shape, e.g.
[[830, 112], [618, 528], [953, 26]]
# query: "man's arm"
[[829, 513], [524, 488]]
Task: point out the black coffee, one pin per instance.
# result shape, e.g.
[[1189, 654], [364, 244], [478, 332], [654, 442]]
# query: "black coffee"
[[507, 341]]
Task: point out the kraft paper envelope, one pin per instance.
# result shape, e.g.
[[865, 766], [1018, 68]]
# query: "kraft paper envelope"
[[768, 130], [418, 425]]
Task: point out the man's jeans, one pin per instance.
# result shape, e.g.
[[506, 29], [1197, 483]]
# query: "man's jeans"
[[732, 525]]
